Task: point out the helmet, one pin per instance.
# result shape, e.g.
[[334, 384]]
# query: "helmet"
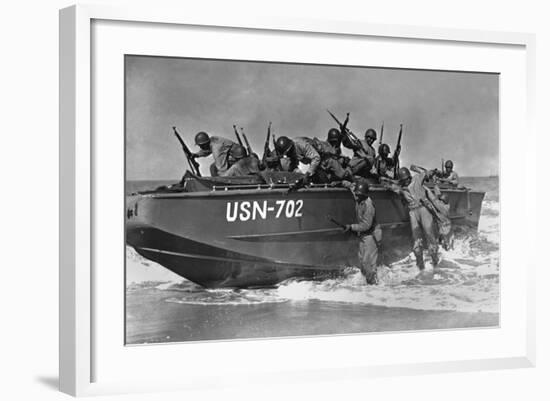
[[449, 164], [384, 149], [370, 134], [403, 174], [334, 136], [361, 189], [444, 198], [283, 144], [202, 138], [238, 152]]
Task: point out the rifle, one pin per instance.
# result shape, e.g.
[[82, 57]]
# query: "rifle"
[[396, 168], [248, 147], [237, 135], [346, 131], [195, 168], [330, 218], [266, 145], [381, 135]]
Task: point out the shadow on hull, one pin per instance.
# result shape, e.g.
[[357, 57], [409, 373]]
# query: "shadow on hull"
[[215, 267]]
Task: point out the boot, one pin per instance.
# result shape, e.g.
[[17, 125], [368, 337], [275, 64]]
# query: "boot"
[[419, 260], [435, 259], [371, 277]]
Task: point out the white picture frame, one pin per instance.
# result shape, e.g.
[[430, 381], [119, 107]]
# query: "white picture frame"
[[80, 342]]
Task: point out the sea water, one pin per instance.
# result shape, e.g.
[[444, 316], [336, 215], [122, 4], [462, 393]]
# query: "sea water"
[[462, 291]]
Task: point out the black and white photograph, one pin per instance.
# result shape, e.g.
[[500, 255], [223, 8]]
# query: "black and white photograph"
[[270, 199]]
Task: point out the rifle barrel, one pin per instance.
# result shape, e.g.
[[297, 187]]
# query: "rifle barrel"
[[331, 219], [195, 168]]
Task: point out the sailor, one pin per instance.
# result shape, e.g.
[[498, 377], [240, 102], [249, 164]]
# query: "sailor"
[[368, 231], [298, 150], [334, 138], [421, 219], [441, 203], [244, 164], [370, 137], [449, 176], [384, 165], [364, 154], [332, 166], [220, 148]]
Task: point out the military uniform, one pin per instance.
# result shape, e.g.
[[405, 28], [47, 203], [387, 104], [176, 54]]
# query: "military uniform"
[[384, 167], [307, 154], [450, 178], [420, 218], [441, 213], [245, 166], [331, 167], [220, 149], [362, 161], [370, 235]]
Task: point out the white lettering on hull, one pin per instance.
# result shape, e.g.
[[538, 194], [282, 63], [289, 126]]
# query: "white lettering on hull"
[[262, 210]]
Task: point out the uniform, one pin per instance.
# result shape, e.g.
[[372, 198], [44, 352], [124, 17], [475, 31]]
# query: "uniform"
[[362, 160], [245, 166], [384, 167], [220, 149], [441, 213], [422, 223], [306, 154], [370, 235], [451, 178], [331, 165]]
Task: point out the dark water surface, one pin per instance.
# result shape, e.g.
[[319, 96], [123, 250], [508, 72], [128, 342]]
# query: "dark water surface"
[[462, 292]]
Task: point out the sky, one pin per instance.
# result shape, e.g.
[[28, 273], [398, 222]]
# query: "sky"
[[450, 115]]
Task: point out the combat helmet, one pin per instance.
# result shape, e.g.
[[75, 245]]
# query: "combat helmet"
[[334, 137], [361, 189], [403, 175], [238, 152], [449, 164], [384, 150], [371, 133], [202, 138], [283, 145]]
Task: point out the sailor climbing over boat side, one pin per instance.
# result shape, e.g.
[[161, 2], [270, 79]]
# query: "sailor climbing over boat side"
[[295, 151], [244, 165], [220, 148], [413, 192], [366, 228]]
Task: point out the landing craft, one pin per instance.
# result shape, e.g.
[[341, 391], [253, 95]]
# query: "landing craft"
[[253, 232]]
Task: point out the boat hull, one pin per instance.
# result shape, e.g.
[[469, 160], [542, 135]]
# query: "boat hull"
[[260, 237]]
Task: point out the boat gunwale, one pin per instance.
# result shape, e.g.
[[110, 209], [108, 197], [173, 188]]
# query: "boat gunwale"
[[264, 190]]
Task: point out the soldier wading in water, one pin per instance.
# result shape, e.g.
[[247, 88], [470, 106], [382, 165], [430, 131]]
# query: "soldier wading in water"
[[413, 192], [368, 231]]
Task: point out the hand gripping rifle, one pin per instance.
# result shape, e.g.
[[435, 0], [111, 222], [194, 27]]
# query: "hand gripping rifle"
[[346, 131], [195, 168], [341, 225]]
